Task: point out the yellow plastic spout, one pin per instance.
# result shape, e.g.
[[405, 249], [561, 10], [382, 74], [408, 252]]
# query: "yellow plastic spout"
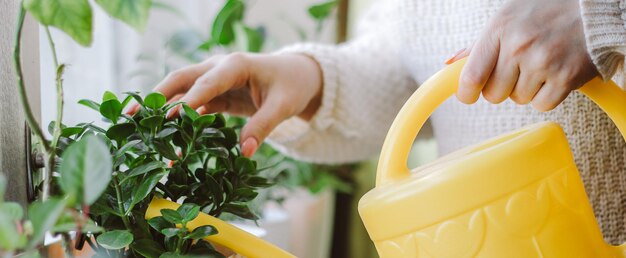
[[239, 241], [392, 165]]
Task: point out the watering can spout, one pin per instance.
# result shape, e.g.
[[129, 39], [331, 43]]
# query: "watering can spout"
[[519, 193]]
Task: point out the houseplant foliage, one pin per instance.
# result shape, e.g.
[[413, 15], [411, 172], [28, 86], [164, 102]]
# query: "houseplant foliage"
[[99, 181]]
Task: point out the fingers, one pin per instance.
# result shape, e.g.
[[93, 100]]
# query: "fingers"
[[550, 96], [259, 126], [479, 66], [181, 80], [230, 73], [502, 80], [526, 87]]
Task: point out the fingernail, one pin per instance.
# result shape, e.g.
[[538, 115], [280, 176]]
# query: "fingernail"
[[249, 146], [453, 57]]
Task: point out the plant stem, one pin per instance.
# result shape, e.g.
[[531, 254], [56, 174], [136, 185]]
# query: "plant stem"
[[59, 90], [28, 113], [120, 203]]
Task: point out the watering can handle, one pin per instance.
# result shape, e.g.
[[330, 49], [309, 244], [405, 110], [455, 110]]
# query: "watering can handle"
[[433, 92]]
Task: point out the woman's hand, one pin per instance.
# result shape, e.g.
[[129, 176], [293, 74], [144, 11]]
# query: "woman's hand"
[[269, 88], [532, 51]]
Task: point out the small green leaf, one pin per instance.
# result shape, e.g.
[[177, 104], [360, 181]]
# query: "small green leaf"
[[217, 152], [165, 149], [133, 12], [212, 133], [166, 132], [148, 248], [202, 232], [121, 151], [12, 210], [203, 121], [154, 100], [108, 96], [244, 166], [145, 168], [323, 10], [136, 96], [90, 104], [73, 17], [152, 122], [71, 131], [172, 216], [188, 211], [222, 31], [44, 215], [115, 239], [160, 223], [111, 109], [119, 132], [189, 112], [240, 210], [170, 232], [86, 169]]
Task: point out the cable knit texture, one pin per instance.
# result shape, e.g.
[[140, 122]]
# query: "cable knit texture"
[[403, 42]]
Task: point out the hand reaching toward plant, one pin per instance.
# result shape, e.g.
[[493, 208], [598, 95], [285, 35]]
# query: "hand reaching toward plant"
[[269, 88], [532, 51]]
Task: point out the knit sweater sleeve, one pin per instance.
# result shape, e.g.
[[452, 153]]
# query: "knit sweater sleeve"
[[364, 85], [605, 32]]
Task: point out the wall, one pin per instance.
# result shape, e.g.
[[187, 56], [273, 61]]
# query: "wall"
[[12, 125]]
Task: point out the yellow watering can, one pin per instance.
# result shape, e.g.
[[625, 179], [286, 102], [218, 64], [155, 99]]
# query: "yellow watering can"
[[517, 195]]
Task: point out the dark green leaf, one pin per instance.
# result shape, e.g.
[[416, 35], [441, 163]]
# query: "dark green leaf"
[[212, 133], [188, 211], [258, 181], [170, 232], [244, 166], [240, 210], [133, 12], [165, 149], [152, 122], [71, 16], [145, 168], [160, 223], [136, 96], [189, 112], [154, 100], [71, 131], [120, 132], [148, 248], [115, 239], [246, 194], [172, 216], [90, 104], [222, 31], [121, 151], [86, 169], [111, 109], [145, 188], [166, 132], [217, 152], [203, 121], [202, 232]]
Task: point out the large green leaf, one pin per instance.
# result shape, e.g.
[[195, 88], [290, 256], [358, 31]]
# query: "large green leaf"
[[43, 216], [71, 16], [145, 188], [133, 12], [86, 169], [116, 239], [145, 168], [111, 109], [202, 232], [154, 100]]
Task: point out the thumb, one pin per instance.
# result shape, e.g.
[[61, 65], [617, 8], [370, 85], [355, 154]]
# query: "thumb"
[[261, 124]]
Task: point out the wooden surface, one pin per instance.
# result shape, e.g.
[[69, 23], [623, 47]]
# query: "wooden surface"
[[12, 125]]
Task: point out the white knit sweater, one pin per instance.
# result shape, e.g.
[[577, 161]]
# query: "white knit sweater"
[[403, 42]]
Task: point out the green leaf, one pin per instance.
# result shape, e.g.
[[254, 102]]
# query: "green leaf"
[[71, 131], [202, 232], [133, 12], [323, 10], [175, 255], [240, 210], [154, 100], [73, 17], [86, 169], [145, 168], [120, 132], [189, 112], [111, 109], [90, 104], [217, 152], [12, 210], [115, 239], [244, 166], [148, 248], [203, 121], [212, 133], [248, 39], [145, 188], [8, 233], [152, 122], [72, 226], [108, 96], [188, 211], [121, 151], [172, 216], [160, 223], [170, 232], [222, 31], [44, 215], [166, 132], [136, 96], [165, 149]]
